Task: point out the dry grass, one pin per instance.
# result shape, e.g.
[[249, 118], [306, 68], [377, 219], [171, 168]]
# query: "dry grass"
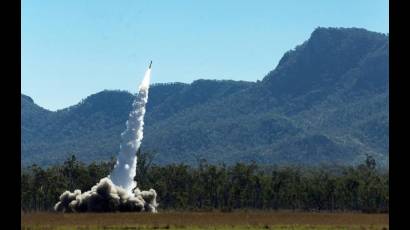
[[209, 220]]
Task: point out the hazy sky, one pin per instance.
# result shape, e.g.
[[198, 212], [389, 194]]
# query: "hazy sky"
[[71, 49]]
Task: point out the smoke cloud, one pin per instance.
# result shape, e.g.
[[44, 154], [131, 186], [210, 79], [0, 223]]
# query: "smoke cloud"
[[107, 197], [118, 191]]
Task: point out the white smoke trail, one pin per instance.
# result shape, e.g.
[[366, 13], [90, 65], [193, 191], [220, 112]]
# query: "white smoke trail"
[[116, 192], [125, 168]]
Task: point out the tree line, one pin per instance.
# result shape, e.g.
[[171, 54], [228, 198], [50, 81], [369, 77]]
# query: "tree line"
[[207, 187]]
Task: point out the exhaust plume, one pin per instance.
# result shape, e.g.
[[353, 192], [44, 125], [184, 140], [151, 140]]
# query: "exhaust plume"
[[125, 168], [118, 191]]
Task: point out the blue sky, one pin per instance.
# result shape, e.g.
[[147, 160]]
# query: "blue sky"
[[71, 49]]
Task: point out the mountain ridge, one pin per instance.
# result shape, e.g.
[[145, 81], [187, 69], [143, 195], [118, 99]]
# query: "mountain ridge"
[[308, 110]]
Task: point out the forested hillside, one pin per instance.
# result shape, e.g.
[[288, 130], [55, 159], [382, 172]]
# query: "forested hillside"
[[325, 102]]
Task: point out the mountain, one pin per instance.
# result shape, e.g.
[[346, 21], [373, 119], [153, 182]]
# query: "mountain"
[[325, 102]]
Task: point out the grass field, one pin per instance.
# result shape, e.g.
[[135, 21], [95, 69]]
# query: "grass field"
[[209, 220]]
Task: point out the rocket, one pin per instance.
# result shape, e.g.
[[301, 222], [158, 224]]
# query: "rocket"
[[149, 67]]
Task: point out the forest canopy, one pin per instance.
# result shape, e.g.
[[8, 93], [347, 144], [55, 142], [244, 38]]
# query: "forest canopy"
[[206, 187]]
